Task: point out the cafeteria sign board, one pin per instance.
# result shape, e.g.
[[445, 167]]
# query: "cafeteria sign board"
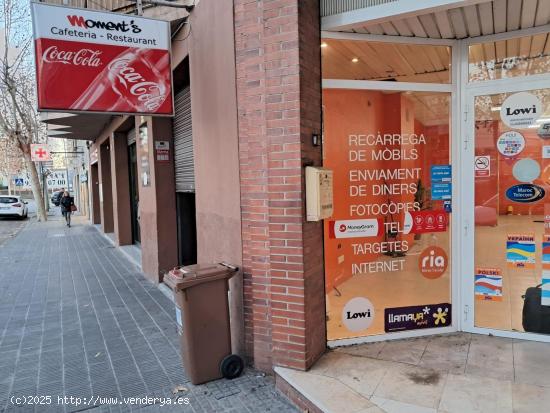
[[116, 63]]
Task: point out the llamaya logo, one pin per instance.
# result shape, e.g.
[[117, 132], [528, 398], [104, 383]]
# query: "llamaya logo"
[[417, 317], [357, 314], [79, 21]]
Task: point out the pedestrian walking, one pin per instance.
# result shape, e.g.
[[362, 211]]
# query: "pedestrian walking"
[[67, 207]]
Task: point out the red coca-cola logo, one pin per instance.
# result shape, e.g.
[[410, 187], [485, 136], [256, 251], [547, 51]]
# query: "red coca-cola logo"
[[150, 94], [82, 57]]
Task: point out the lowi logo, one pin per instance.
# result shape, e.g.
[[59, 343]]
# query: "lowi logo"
[[520, 110], [357, 314]]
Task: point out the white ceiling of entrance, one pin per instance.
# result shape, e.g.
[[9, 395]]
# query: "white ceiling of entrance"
[[485, 18], [360, 60]]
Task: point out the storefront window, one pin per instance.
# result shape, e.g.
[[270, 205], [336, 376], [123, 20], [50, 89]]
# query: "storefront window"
[[521, 56], [512, 212], [360, 60], [387, 245]]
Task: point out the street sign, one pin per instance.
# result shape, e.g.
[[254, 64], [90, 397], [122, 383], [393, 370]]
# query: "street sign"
[[57, 179], [40, 152], [22, 182]]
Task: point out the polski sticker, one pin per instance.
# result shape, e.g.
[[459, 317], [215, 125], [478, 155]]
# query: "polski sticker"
[[520, 110]]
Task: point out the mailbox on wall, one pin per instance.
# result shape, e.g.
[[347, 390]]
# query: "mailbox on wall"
[[319, 203]]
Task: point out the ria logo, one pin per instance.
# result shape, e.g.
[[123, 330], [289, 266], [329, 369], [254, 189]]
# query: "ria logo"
[[357, 314], [342, 228], [433, 262], [98, 24]]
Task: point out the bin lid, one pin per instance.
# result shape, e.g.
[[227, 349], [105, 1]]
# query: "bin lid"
[[185, 277]]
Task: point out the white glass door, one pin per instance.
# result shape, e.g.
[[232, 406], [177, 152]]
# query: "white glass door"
[[506, 187]]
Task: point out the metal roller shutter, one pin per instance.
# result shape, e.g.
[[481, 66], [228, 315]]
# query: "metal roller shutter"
[[131, 136], [183, 142]]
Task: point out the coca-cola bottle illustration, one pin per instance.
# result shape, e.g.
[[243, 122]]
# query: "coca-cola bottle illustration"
[[137, 80]]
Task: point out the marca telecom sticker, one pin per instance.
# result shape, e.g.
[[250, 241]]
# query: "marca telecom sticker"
[[510, 143], [417, 317], [525, 193], [358, 314], [520, 250], [488, 284], [433, 262], [520, 110], [356, 228]]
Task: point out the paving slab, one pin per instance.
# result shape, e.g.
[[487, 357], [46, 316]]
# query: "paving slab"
[[78, 319]]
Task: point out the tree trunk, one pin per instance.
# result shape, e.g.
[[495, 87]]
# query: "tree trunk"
[[35, 185]]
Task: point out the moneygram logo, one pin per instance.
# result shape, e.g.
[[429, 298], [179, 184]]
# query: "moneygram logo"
[[79, 21], [433, 262], [82, 57], [343, 228]]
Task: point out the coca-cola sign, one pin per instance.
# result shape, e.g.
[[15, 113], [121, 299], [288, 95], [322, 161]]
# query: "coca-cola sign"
[[150, 93], [116, 63], [82, 57]]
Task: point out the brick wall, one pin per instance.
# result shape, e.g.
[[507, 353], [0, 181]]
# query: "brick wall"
[[278, 98]]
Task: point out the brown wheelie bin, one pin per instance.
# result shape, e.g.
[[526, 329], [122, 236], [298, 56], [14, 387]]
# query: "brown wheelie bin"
[[202, 313]]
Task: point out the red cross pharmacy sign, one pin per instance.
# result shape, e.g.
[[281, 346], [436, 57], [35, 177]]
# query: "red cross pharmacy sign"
[[40, 152]]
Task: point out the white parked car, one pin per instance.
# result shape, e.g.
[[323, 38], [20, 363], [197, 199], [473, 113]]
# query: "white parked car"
[[13, 206]]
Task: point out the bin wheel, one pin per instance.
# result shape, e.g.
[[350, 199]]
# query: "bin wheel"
[[232, 366]]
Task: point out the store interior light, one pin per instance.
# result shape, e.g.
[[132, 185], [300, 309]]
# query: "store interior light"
[[355, 60], [324, 44], [495, 109]]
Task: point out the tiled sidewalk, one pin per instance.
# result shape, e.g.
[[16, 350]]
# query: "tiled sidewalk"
[[453, 373], [78, 319]]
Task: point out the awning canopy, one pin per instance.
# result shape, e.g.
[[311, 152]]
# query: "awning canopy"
[[437, 19], [72, 126]]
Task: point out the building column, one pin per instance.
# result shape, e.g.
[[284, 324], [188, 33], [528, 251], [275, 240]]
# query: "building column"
[[122, 220], [94, 192], [105, 188], [157, 198], [278, 64]]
